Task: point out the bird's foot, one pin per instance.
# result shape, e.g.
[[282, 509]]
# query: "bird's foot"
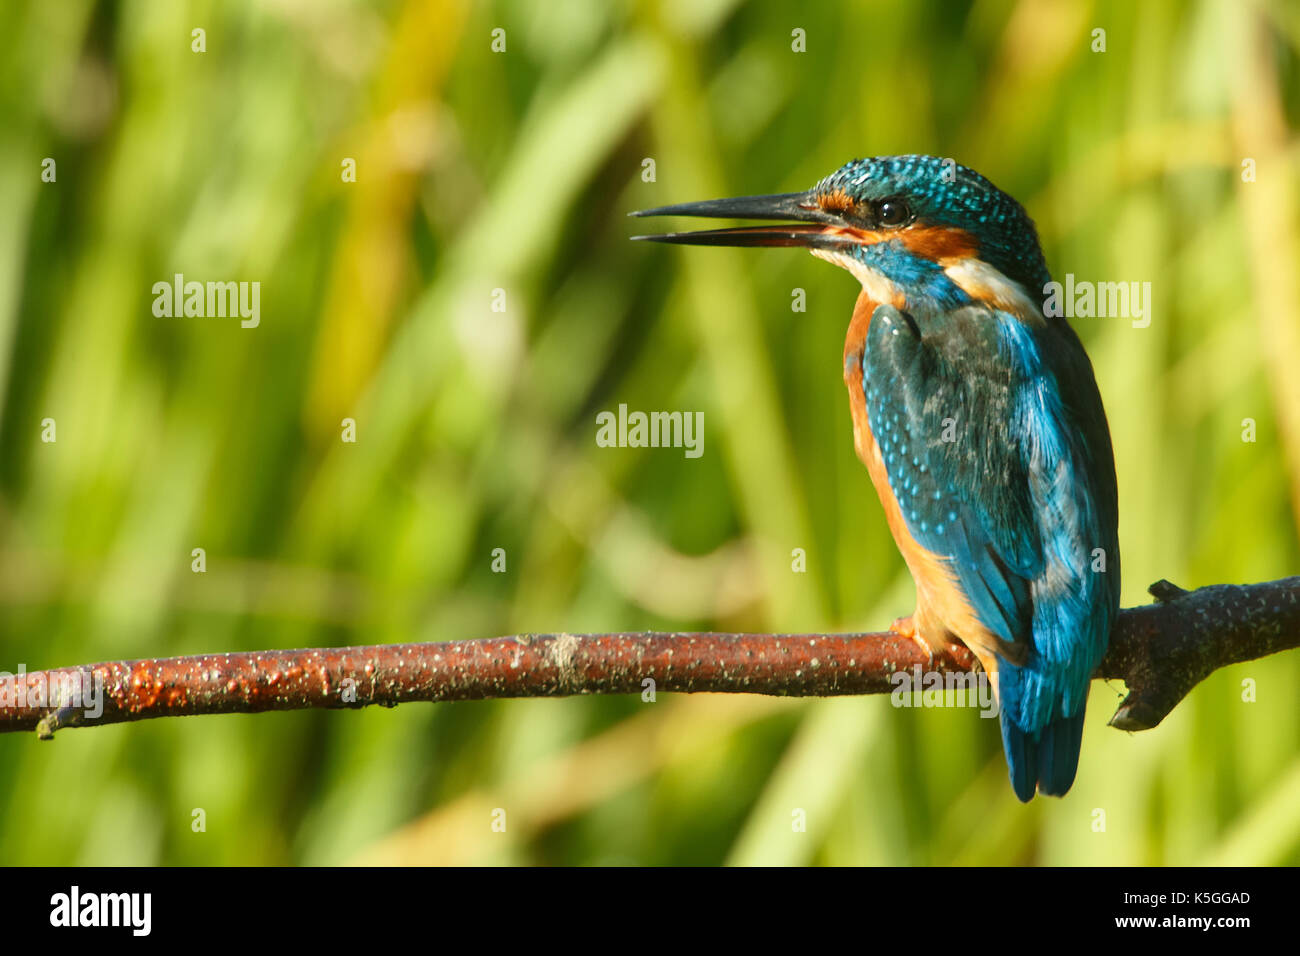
[[906, 627]]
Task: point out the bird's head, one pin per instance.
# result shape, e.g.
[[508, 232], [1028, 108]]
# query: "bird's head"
[[908, 227]]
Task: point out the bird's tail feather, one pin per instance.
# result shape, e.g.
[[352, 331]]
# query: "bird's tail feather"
[[1046, 760]]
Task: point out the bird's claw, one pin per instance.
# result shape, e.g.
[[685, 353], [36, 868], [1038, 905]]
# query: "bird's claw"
[[906, 627]]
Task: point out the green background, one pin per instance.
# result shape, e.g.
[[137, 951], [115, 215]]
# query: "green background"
[[480, 171]]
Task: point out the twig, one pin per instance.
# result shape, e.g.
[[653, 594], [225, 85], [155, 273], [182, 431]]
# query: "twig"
[[1161, 651]]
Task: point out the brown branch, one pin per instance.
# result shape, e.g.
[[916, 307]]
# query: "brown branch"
[[1161, 651]]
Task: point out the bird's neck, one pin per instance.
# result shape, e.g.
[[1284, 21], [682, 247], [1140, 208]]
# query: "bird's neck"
[[890, 273]]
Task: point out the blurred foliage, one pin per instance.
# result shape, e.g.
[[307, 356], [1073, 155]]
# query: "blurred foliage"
[[480, 171]]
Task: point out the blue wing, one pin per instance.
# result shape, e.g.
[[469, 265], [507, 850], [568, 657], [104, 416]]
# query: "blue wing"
[[999, 469]]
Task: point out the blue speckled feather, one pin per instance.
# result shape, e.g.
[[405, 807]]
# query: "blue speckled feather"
[[996, 470]]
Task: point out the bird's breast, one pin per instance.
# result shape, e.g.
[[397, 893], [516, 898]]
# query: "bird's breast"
[[939, 597], [923, 563]]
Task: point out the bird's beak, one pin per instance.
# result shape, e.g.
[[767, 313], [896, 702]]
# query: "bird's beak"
[[815, 228]]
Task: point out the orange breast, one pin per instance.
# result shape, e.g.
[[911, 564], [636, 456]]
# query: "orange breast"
[[941, 607]]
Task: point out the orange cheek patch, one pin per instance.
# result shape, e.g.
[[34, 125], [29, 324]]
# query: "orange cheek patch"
[[939, 244], [945, 245]]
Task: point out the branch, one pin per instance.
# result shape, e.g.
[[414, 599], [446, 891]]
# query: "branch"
[[1161, 651]]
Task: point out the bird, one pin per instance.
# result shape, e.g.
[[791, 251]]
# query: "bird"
[[977, 414]]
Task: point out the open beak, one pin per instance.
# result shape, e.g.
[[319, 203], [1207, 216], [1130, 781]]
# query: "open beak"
[[814, 227]]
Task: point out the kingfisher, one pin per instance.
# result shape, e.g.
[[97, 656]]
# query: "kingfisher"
[[977, 415]]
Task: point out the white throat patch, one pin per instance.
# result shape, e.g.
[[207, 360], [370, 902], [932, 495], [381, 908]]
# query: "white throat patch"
[[979, 280]]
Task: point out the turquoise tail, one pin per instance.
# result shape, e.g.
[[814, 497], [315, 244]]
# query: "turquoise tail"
[[1044, 761]]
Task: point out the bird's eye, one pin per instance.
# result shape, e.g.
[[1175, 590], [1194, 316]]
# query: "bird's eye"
[[892, 212]]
